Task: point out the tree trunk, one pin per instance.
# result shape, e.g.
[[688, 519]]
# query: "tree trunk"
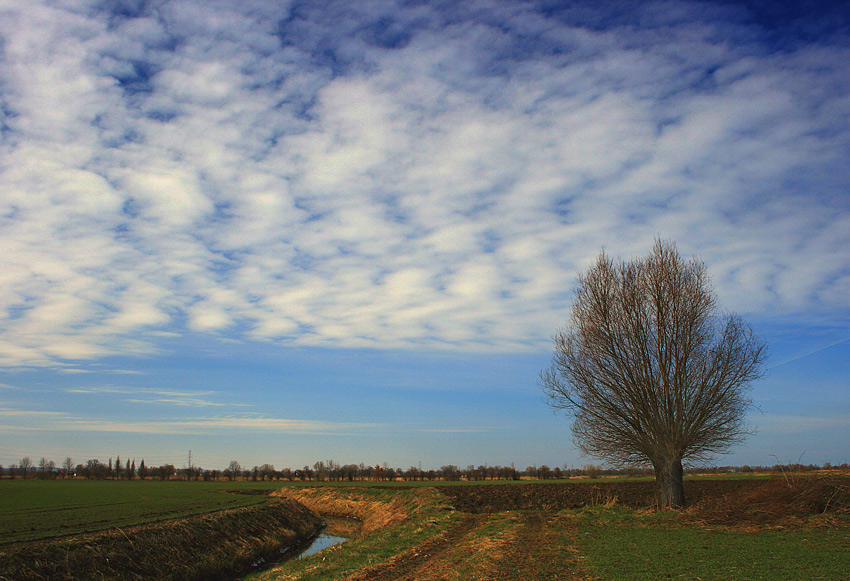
[[669, 483]]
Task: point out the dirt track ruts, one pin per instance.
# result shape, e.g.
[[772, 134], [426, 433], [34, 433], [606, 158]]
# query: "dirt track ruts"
[[410, 564], [533, 554], [530, 551]]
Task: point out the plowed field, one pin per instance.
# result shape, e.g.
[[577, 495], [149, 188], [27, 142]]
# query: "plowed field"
[[559, 496]]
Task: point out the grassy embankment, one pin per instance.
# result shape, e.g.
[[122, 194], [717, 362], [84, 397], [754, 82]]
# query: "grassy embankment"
[[394, 520], [133, 530]]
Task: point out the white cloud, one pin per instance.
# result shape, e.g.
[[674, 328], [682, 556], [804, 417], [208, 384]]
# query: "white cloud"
[[320, 178], [461, 431], [64, 422], [203, 317], [148, 395]]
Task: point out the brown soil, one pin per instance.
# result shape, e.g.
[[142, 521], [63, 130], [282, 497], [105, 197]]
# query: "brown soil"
[[564, 495], [776, 502], [721, 502]]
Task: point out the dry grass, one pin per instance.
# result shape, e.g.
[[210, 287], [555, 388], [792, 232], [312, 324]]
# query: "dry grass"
[[374, 514], [776, 503]]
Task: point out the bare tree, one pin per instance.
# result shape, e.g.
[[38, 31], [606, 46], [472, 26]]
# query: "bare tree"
[[165, 472], [25, 465], [95, 469], [267, 471], [68, 467], [650, 371], [46, 468], [234, 470]]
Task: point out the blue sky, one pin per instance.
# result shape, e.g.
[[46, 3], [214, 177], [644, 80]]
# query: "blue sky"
[[295, 231]]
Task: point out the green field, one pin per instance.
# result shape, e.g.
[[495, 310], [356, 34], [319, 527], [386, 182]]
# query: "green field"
[[661, 542], [32, 510]]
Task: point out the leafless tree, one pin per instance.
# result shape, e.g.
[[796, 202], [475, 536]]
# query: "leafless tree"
[[46, 469], [234, 470], [68, 467], [25, 465], [267, 471], [649, 369]]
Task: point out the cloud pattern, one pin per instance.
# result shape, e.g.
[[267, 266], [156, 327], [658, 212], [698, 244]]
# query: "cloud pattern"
[[402, 175]]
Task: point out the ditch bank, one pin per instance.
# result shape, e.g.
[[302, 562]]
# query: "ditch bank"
[[363, 514], [220, 545]]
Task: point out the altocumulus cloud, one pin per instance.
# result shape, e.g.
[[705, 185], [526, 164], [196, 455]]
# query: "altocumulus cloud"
[[394, 174]]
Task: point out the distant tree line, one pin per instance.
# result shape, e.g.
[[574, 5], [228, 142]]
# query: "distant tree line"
[[331, 471]]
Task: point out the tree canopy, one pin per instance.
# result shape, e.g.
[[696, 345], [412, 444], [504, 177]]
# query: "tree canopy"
[[650, 370]]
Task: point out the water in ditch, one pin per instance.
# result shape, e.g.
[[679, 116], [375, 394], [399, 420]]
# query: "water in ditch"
[[311, 547], [321, 542]]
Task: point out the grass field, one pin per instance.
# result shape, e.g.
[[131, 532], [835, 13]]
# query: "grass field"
[[622, 544], [41, 509]]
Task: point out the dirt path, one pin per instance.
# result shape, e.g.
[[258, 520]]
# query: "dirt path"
[[414, 564], [542, 547], [520, 550], [478, 549]]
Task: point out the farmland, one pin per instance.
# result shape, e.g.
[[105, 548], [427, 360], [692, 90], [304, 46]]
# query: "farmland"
[[34, 510], [734, 529]]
